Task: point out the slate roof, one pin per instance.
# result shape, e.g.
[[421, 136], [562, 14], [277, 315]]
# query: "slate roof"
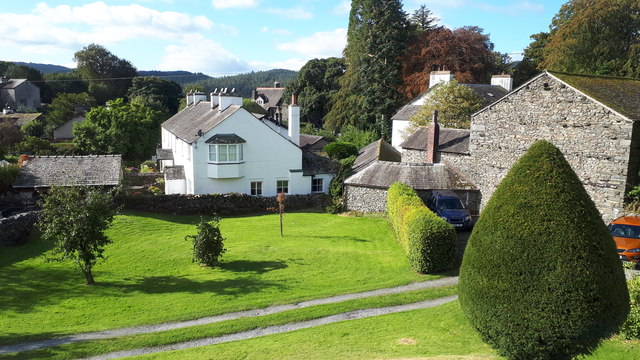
[[164, 154], [19, 119], [186, 123], [272, 96], [225, 139], [312, 142], [450, 140], [174, 172], [620, 94], [47, 171], [13, 83], [490, 94], [314, 164], [381, 174], [377, 150]]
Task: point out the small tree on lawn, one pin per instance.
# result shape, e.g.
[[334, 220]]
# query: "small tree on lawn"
[[75, 218], [208, 243], [540, 278]]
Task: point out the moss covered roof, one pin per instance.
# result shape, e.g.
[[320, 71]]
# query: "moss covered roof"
[[620, 94]]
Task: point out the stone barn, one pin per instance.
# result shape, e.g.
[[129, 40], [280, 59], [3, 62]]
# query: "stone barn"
[[593, 120]]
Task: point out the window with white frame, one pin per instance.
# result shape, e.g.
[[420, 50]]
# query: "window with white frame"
[[317, 185], [282, 186], [256, 188], [226, 153]]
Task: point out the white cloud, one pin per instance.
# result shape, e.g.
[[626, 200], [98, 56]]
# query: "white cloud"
[[319, 45], [227, 4], [198, 54], [296, 13], [343, 8], [283, 32]]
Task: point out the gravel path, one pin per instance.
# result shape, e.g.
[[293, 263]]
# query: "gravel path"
[[107, 334], [351, 315]]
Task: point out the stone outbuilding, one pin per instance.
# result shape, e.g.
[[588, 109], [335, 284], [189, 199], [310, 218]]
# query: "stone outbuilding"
[[366, 191], [593, 120]]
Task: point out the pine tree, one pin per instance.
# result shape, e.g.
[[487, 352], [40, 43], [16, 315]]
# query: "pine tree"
[[376, 38]]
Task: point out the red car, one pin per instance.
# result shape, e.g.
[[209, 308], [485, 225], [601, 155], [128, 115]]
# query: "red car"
[[626, 233]]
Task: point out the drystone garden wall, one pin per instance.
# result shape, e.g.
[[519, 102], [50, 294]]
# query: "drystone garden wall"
[[368, 199], [222, 204], [595, 140], [15, 230]]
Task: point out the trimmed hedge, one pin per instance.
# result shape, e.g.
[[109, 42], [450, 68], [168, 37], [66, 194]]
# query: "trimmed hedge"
[[340, 150], [428, 240], [541, 278]]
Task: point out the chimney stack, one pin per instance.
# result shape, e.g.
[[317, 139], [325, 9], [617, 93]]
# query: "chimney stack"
[[438, 77], [506, 81], [433, 139], [294, 120], [190, 98], [226, 99]]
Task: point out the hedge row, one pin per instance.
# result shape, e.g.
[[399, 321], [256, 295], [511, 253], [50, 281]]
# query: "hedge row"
[[428, 240]]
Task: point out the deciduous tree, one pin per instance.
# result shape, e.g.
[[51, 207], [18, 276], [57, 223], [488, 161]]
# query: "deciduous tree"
[[156, 93], [75, 219], [595, 37], [316, 82], [132, 130], [109, 76], [454, 102], [466, 51]]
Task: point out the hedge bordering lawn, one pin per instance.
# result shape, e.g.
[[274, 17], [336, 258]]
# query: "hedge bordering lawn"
[[428, 240], [223, 204]]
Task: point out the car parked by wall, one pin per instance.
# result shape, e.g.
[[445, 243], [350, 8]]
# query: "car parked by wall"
[[448, 206], [626, 233]]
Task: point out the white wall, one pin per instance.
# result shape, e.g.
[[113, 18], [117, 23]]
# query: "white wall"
[[267, 157]]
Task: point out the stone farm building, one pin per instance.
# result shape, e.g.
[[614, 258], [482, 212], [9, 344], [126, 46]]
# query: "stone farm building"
[[593, 120]]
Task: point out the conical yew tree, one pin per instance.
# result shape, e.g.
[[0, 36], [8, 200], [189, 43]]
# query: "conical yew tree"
[[540, 278]]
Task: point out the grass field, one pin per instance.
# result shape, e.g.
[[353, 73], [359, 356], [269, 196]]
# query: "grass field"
[[148, 276]]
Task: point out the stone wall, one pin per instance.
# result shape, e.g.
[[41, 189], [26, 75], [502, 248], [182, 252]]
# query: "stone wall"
[[15, 230], [594, 140], [20, 200], [223, 204], [365, 199]]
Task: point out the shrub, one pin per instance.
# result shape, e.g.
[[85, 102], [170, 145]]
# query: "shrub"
[[8, 175], [336, 186], [208, 243], [155, 190], [431, 241], [340, 150], [630, 330], [145, 169], [64, 148], [34, 146], [540, 278], [428, 240], [148, 163]]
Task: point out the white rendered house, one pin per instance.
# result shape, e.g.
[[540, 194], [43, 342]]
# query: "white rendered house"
[[499, 87], [218, 147]]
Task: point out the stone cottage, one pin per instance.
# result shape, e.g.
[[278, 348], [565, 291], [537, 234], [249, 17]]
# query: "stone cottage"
[[593, 120]]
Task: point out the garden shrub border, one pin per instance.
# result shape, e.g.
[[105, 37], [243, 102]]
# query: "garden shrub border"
[[428, 240]]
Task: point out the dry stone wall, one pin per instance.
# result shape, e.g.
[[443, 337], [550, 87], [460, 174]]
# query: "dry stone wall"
[[365, 199], [595, 140], [15, 230]]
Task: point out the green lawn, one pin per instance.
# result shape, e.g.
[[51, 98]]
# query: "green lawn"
[[148, 276], [440, 333]]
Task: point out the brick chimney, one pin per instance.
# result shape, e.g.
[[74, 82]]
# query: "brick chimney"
[[433, 139], [503, 80]]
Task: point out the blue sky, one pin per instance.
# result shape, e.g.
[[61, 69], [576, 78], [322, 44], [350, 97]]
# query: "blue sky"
[[224, 37]]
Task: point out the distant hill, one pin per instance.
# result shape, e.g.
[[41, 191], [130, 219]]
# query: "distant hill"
[[45, 68], [245, 83], [181, 77]]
